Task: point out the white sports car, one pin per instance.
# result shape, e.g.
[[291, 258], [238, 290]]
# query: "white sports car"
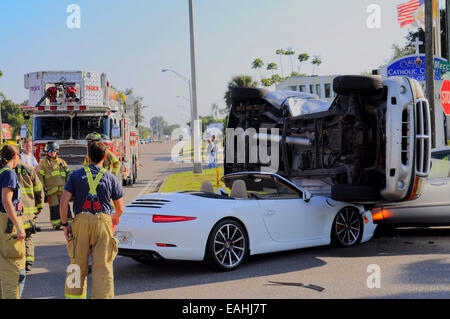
[[264, 213]]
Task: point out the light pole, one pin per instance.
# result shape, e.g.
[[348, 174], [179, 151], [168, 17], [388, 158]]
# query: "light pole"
[[193, 118]]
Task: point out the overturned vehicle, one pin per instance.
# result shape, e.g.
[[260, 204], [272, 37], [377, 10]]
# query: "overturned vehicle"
[[371, 144]]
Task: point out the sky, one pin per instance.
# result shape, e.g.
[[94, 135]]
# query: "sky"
[[133, 40]]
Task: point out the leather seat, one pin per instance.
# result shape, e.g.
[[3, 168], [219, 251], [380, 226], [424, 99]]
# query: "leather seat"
[[239, 189]]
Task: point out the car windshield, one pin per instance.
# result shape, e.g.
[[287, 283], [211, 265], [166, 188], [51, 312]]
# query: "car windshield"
[[83, 125], [51, 128], [61, 127], [264, 186]]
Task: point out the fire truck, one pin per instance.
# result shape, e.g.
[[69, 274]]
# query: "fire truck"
[[68, 105]]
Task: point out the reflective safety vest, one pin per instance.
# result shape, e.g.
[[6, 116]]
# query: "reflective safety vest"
[[111, 163], [53, 175], [92, 203], [32, 190]]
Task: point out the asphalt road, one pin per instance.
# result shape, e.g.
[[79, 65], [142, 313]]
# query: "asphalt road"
[[411, 263]]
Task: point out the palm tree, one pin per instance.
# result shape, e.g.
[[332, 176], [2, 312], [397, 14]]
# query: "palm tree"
[[215, 110], [290, 52], [316, 62], [257, 64], [272, 66], [236, 82], [281, 52], [267, 82], [302, 57]]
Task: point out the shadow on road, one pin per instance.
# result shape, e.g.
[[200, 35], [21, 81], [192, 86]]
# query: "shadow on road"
[[133, 277]]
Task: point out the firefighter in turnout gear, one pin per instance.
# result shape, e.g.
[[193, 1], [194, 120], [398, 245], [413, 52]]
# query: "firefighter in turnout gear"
[[91, 233], [53, 172], [12, 233], [111, 163], [32, 202]]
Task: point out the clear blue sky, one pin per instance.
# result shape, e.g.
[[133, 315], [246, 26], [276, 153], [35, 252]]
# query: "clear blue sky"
[[133, 40]]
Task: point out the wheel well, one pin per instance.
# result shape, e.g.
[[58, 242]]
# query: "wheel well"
[[236, 220], [351, 207]]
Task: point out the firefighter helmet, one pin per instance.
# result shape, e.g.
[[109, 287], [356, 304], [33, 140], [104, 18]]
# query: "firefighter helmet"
[[93, 137], [51, 146]]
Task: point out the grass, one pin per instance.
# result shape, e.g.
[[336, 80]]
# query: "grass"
[[188, 181]]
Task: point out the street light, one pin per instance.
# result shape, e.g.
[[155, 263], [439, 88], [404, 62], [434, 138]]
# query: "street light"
[[194, 145]]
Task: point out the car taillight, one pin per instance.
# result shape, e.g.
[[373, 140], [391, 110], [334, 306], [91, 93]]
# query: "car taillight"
[[171, 219]]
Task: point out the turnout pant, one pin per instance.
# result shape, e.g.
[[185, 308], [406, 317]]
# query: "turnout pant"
[[12, 262], [92, 236]]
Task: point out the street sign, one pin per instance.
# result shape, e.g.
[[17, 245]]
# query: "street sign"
[[445, 96], [414, 67]]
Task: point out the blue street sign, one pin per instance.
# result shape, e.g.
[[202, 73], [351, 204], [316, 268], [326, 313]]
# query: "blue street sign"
[[414, 67]]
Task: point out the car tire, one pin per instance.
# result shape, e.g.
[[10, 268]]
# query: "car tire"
[[355, 193], [348, 227], [226, 254], [366, 85], [245, 94]]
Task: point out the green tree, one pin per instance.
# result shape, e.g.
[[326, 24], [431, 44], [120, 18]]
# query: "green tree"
[[257, 64], [289, 52], [272, 66], [316, 62], [267, 82], [13, 115], [238, 81], [139, 110], [157, 125], [281, 52], [302, 57]]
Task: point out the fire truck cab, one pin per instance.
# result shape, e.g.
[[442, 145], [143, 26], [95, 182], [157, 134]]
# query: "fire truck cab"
[[68, 105]]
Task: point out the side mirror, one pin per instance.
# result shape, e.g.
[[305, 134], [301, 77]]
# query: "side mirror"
[[23, 131], [306, 196], [116, 131]]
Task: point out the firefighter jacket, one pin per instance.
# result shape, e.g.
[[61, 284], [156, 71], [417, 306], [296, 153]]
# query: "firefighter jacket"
[[32, 190], [53, 175], [110, 162]]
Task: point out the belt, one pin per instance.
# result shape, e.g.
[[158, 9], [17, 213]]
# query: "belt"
[[93, 213]]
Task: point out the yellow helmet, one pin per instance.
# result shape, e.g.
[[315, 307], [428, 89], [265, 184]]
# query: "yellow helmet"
[[92, 137]]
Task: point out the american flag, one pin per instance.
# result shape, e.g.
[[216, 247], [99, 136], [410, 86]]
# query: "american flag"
[[406, 10]]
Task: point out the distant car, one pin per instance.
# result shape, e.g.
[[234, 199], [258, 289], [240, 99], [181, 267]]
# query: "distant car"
[[432, 207], [371, 144], [264, 213]]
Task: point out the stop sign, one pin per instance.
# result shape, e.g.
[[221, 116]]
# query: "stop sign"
[[445, 97]]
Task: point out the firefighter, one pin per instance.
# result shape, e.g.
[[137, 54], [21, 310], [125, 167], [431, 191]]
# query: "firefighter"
[[53, 172], [33, 202], [91, 233], [12, 238], [111, 163]]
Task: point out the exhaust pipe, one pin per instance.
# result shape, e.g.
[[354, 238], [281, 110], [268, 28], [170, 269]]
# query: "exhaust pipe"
[[303, 141]]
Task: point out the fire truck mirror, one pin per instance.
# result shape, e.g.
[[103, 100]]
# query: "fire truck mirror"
[[116, 131]]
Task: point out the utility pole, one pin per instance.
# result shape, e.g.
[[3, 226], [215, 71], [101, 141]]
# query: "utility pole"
[[429, 66], [197, 165]]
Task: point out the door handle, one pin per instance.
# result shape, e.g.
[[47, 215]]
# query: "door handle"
[[439, 184]]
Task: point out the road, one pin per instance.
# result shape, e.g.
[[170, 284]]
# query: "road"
[[411, 263]]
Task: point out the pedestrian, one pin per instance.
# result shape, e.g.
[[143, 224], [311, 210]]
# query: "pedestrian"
[[211, 151], [27, 154], [91, 233], [12, 239], [111, 163], [53, 172], [32, 202]]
